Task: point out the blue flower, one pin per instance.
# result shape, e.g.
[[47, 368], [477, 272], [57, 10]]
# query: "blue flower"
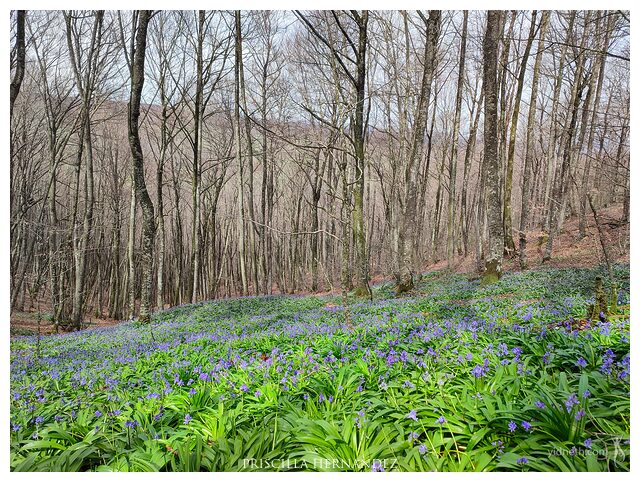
[[131, 424], [441, 420], [587, 443], [526, 425], [581, 413], [571, 402], [539, 404], [413, 415], [522, 461], [257, 394], [187, 419], [581, 362], [98, 413], [512, 426], [422, 449], [376, 466], [39, 420], [586, 394]]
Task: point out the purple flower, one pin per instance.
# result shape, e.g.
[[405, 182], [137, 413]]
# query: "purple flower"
[[98, 413], [526, 425], [441, 420], [522, 461], [478, 371], [527, 316], [587, 443], [244, 388], [39, 420], [571, 402], [413, 436], [187, 419], [422, 449], [512, 426], [539, 404], [130, 424], [376, 466], [15, 426], [581, 362], [573, 451], [192, 391], [580, 413], [413, 415], [257, 394], [586, 394], [408, 384]]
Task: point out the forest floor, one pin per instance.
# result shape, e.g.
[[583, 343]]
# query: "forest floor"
[[568, 251], [455, 376]]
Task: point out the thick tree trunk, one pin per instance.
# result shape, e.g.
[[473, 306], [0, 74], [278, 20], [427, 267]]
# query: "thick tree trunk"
[[18, 74], [148, 219], [493, 265], [408, 212]]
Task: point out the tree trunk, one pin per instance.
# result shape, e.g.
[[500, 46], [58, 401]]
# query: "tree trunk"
[[454, 145], [530, 144], [493, 266], [148, 219], [509, 246]]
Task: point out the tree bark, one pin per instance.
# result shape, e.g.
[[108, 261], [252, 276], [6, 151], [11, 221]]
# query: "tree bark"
[[493, 265], [530, 144], [146, 205]]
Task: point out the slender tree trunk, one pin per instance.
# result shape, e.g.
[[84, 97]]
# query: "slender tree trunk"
[[530, 144], [238, 150], [131, 263], [507, 215], [454, 145]]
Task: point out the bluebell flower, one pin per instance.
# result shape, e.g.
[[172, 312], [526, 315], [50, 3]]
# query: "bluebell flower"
[[522, 461], [571, 402], [539, 404], [413, 415], [587, 443], [512, 426], [187, 419], [376, 466], [441, 420], [581, 362], [526, 425], [422, 449]]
